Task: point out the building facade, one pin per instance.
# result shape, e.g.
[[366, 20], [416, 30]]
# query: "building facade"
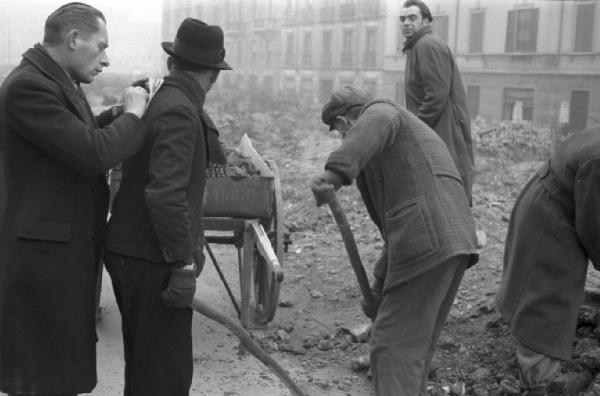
[[542, 56]]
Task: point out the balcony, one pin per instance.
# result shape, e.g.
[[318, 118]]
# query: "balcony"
[[348, 12], [532, 62], [346, 59], [327, 13]]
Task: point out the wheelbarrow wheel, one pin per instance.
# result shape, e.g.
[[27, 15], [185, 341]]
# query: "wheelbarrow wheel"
[[266, 286]]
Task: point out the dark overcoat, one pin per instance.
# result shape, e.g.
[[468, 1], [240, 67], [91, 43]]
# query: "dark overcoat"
[[53, 207], [554, 229], [411, 189], [435, 93], [157, 212]]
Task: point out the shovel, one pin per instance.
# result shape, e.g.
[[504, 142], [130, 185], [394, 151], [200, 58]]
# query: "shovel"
[[349, 242]]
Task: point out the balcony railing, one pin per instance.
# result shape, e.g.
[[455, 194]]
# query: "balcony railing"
[[571, 61]]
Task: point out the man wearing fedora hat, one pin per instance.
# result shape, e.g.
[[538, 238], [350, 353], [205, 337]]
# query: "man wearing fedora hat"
[[153, 248], [414, 194]]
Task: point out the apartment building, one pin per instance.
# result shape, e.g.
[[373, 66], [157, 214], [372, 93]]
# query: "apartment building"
[[543, 55]]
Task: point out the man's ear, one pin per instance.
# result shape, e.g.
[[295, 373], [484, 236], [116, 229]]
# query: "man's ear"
[[71, 38], [343, 120]]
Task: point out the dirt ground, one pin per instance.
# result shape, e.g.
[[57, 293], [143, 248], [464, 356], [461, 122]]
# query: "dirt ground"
[[320, 300]]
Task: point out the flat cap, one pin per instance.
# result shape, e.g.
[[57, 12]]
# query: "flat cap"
[[341, 100]]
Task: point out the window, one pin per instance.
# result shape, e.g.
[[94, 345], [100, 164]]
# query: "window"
[[347, 48], [307, 49], [289, 50], [326, 55], [521, 30], [268, 53], [473, 94], [584, 29], [518, 103], [370, 47], [476, 33], [439, 26], [578, 110]]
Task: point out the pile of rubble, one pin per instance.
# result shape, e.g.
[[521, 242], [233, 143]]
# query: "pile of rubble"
[[515, 141]]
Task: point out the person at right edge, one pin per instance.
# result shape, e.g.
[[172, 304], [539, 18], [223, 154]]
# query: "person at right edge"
[[154, 242], [413, 193], [553, 234], [434, 88]]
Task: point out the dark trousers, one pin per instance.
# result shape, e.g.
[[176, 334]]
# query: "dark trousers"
[[157, 340], [54, 394], [407, 326]]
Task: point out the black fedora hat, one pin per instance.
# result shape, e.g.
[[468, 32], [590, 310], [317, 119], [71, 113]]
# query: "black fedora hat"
[[198, 43]]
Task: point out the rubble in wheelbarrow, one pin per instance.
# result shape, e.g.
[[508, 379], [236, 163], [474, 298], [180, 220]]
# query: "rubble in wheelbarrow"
[[238, 165]]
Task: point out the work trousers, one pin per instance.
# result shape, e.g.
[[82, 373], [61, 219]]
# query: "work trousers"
[[407, 326], [157, 340]]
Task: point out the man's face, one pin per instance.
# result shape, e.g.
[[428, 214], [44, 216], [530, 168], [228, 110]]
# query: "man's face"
[[88, 55], [411, 21]]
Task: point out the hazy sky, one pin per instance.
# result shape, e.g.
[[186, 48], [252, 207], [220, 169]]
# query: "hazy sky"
[[134, 27]]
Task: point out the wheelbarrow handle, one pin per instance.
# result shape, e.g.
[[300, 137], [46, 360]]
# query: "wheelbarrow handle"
[[350, 244]]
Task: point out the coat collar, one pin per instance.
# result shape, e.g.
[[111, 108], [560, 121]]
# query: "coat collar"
[[39, 57], [189, 86], [408, 44]]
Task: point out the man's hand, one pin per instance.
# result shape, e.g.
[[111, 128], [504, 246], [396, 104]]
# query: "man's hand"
[[370, 309], [182, 287], [135, 100], [323, 184]]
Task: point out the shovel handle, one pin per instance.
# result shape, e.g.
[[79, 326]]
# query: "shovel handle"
[[350, 244]]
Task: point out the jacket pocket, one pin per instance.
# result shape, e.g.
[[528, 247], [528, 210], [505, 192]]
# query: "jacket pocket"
[[409, 233], [42, 230]]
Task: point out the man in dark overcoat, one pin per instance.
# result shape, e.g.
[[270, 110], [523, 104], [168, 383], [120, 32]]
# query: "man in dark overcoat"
[[154, 242], [54, 155], [414, 194], [434, 89], [554, 230]]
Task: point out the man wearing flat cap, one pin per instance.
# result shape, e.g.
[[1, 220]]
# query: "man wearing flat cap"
[[153, 248], [414, 194]]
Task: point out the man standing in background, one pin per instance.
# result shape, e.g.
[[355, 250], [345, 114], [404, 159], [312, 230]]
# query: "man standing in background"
[[54, 155], [434, 89]]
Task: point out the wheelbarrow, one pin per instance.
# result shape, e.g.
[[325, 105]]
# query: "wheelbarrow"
[[249, 211]]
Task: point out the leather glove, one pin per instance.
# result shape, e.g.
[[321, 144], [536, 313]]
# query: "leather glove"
[[370, 309], [323, 184], [181, 288]]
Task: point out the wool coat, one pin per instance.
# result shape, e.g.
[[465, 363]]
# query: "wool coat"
[[54, 155], [554, 230], [435, 93], [157, 212], [411, 189]]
